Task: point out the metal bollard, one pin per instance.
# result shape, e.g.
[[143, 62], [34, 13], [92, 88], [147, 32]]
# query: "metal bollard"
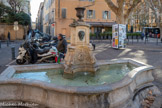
[[13, 52], [156, 39], [8, 43], [0, 43]]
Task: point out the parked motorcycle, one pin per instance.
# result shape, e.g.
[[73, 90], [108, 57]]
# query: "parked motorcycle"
[[32, 53]]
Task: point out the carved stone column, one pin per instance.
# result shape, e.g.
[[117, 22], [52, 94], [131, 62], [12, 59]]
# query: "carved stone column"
[[79, 57]]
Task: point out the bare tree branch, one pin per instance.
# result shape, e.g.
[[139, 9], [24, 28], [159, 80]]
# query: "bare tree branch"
[[16, 5], [135, 3], [120, 3], [112, 6]]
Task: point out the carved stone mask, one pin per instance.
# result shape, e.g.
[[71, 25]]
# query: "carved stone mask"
[[81, 35]]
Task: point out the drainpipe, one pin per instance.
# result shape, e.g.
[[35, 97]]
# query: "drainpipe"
[[58, 8]]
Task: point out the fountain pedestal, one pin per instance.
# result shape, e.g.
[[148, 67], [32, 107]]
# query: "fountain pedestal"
[[79, 57]]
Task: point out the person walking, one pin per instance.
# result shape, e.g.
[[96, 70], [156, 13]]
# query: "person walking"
[[9, 36], [142, 35]]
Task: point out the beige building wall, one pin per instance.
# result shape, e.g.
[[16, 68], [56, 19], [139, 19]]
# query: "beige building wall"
[[40, 17], [46, 11], [34, 25], [53, 15], [62, 24], [4, 29]]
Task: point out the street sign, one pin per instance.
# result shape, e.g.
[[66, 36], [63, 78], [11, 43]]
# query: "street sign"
[[15, 23], [53, 24], [16, 27]]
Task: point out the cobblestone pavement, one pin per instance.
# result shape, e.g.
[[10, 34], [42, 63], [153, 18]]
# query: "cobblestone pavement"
[[149, 53], [5, 53]]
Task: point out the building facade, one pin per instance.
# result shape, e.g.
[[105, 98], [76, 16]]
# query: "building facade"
[[97, 14], [40, 17], [59, 14], [48, 17]]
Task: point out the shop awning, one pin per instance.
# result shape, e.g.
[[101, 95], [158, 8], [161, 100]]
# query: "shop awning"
[[101, 24]]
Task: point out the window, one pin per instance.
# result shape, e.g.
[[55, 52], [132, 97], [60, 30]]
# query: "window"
[[88, 0], [106, 14], [63, 13], [91, 14], [91, 0], [52, 14], [47, 18], [109, 15]]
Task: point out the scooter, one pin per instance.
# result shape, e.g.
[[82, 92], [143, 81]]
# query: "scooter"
[[33, 54]]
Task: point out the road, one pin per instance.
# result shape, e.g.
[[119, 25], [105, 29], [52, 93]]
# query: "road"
[[5, 53]]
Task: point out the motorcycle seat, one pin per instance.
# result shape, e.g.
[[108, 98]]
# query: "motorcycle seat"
[[45, 45], [42, 51]]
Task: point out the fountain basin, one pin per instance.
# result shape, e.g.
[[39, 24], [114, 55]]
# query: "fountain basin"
[[106, 74], [111, 95]]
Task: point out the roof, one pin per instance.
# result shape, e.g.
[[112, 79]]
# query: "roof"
[[102, 24]]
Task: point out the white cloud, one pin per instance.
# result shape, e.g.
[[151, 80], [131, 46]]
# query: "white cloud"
[[34, 8]]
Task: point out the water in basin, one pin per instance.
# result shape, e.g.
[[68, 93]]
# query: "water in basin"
[[105, 75]]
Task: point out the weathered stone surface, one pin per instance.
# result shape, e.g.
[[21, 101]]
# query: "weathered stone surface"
[[79, 57], [116, 95]]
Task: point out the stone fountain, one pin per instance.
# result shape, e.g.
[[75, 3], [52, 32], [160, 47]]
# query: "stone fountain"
[[79, 57], [120, 83]]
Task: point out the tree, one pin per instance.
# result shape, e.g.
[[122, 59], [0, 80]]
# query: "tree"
[[23, 18], [122, 9], [16, 5], [5, 12], [140, 16], [7, 15], [156, 7], [1, 10]]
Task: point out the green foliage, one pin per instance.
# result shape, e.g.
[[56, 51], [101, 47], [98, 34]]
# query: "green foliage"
[[102, 34], [129, 34], [23, 18], [134, 34], [109, 33], [7, 15], [92, 34], [4, 10], [106, 33], [108, 29]]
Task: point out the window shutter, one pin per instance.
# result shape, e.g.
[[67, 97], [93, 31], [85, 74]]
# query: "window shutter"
[[63, 13], [91, 0], [94, 15], [103, 14], [109, 14], [87, 14]]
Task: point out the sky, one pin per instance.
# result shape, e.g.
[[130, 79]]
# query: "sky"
[[34, 8]]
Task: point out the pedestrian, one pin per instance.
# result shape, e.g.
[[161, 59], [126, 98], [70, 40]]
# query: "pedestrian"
[[146, 35], [9, 37], [142, 35], [150, 34], [62, 46]]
